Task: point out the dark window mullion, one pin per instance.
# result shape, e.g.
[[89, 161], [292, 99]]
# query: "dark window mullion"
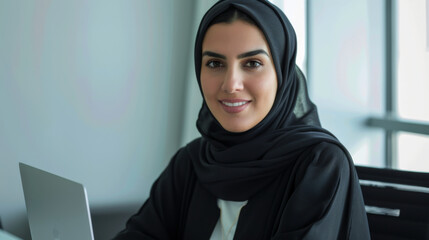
[[390, 71]]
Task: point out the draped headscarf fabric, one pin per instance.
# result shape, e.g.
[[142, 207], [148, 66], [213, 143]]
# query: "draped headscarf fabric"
[[233, 166], [292, 105]]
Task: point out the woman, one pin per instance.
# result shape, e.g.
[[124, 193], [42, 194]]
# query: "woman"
[[263, 168]]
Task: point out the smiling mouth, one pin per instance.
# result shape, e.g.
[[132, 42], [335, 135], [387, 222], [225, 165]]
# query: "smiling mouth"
[[234, 104]]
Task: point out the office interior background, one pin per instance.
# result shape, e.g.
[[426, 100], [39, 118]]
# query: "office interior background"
[[104, 92]]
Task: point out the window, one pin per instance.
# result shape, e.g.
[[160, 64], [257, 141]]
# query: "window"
[[407, 69], [368, 71], [346, 72], [412, 72], [296, 13]]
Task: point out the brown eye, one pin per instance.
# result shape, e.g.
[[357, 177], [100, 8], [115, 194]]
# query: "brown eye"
[[253, 64], [214, 64]]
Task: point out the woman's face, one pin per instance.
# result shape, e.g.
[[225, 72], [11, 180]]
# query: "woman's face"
[[238, 77]]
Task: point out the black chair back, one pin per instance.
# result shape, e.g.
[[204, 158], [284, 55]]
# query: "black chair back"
[[397, 203]]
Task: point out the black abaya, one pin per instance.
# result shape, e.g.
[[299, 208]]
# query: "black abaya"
[[299, 180], [311, 199]]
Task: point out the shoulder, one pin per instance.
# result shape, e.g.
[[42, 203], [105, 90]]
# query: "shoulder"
[[194, 146], [179, 171], [325, 159], [185, 153], [181, 163], [329, 154]]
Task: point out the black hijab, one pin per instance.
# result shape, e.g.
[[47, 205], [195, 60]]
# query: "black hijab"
[[292, 105], [234, 166]]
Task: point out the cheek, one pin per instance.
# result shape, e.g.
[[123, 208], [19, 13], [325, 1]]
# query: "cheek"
[[209, 86], [266, 88]]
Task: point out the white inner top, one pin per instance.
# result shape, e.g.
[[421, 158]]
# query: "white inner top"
[[227, 223]]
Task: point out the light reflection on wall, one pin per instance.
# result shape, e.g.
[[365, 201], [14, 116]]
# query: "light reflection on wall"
[[90, 90]]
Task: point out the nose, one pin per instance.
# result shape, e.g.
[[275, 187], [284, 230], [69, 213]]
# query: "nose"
[[233, 81]]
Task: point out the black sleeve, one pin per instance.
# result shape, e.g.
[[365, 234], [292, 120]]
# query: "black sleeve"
[[160, 216], [327, 201]]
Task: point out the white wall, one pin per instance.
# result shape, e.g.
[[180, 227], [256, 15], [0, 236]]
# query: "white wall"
[[346, 64], [93, 91], [193, 99]]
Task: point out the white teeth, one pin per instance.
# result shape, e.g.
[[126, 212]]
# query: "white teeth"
[[236, 104]]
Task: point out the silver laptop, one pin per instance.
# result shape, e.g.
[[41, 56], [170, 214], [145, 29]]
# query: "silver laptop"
[[57, 208]]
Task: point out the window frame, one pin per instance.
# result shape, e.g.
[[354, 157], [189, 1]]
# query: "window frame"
[[390, 122]]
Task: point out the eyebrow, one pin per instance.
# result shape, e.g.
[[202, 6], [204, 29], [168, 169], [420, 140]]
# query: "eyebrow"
[[252, 53], [213, 54], [243, 55]]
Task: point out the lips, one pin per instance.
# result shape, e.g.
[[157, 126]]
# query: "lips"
[[234, 105]]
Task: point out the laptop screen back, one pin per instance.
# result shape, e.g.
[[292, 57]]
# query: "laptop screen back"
[[57, 208]]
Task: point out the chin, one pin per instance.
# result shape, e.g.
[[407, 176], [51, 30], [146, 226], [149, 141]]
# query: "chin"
[[236, 128]]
